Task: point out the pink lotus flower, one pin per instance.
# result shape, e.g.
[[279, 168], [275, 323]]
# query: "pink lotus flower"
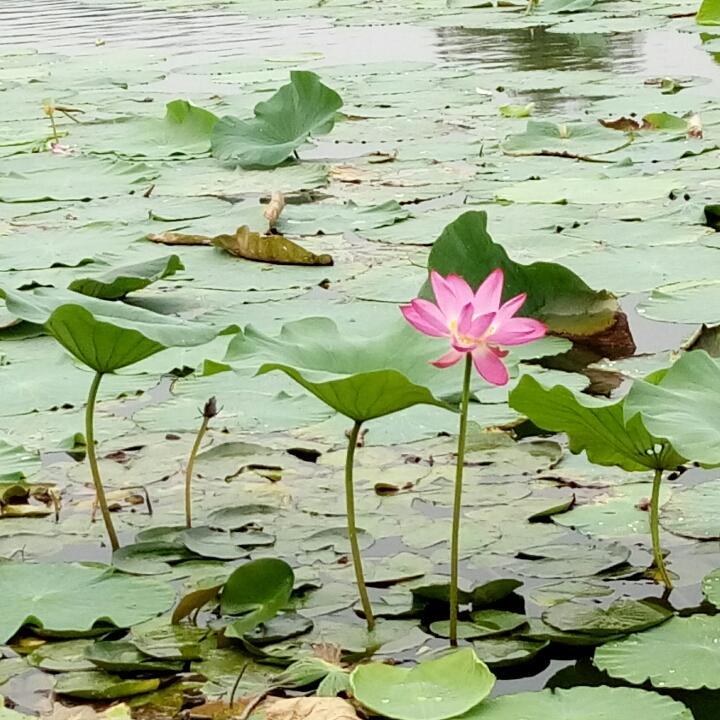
[[474, 322]]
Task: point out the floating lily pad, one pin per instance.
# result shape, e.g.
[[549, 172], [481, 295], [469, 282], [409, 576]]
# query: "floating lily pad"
[[693, 512], [501, 652], [97, 685], [711, 588], [16, 462], [588, 703], [67, 598], [572, 140], [433, 690], [682, 653], [124, 657], [622, 617]]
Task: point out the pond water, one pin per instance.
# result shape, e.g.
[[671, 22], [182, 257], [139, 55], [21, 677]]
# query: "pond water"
[[425, 131]]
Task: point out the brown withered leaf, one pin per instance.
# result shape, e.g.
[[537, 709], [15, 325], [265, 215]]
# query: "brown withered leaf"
[[173, 238], [625, 124], [268, 248], [274, 208], [309, 708], [87, 712]]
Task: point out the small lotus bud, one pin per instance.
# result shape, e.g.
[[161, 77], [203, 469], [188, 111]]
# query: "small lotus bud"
[[211, 409]]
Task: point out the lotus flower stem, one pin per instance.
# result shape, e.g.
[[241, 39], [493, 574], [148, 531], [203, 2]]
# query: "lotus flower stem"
[[92, 460], [457, 503], [209, 411], [352, 528], [655, 530]]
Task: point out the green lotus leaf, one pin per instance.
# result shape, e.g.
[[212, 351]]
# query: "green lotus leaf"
[[683, 406], [556, 295], [581, 703], [71, 599], [500, 652], [597, 427], [711, 587], [118, 282], [709, 13], [623, 616], [432, 690], [121, 656], [361, 378], [281, 124], [693, 512], [257, 591], [573, 140], [697, 301], [16, 463], [97, 685], [681, 653], [105, 336]]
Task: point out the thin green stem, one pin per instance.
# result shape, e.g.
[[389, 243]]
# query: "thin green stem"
[[457, 504], [655, 530], [92, 460], [56, 138], [189, 471], [352, 527]]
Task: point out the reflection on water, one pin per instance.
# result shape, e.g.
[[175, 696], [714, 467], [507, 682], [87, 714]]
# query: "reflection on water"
[[535, 48]]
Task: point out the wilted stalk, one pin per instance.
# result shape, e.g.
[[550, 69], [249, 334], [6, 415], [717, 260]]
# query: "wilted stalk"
[[352, 527], [655, 530], [457, 503], [209, 412], [92, 460]]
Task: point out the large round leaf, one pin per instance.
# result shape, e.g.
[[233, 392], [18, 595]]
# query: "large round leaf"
[[682, 653], [257, 590], [623, 616], [592, 425], [281, 124], [581, 703], [69, 598], [361, 378], [573, 140], [105, 336], [683, 406], [432, 690], [693, 512]]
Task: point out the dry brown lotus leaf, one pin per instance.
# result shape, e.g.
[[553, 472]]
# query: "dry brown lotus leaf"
[[87, 712], [268, 248], [309, 708], [250, 245]]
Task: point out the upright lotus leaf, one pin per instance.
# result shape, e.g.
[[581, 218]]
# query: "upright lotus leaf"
[[555, 295], [361, 378], [257, 591], [105, 336], [581, 703], [118, 282], [70, 599], [682, 405], [572, 140], [281, 124], [709, 13], [681, 653], [432, 690], [594, 426], [608, 437]]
